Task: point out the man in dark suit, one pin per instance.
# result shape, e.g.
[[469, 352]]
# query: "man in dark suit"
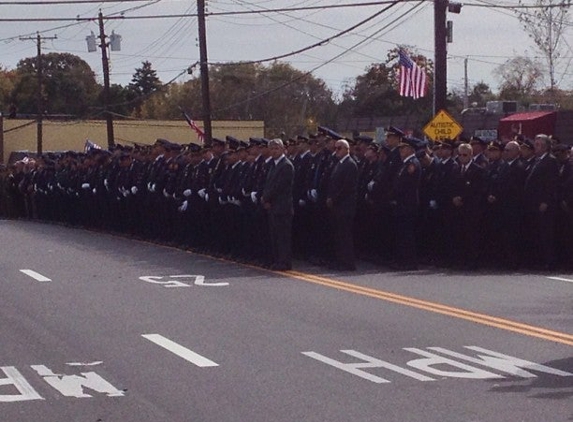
[[469, 199], [540, 201], [510, 200], [277, 200], [341, 203]]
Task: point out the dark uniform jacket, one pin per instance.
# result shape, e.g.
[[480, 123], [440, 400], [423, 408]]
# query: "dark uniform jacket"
[[343, 186], [278, 187], [406, 187], [541, 183]]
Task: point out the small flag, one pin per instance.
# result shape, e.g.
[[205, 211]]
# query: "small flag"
[[193, 125], [89, 145], [412, 77]]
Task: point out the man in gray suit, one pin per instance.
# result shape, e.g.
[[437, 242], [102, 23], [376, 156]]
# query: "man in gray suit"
[[277, 200], [341, 202]]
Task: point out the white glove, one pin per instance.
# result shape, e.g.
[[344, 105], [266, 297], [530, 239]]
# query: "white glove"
[[153, 186], [183, 206], [206, 197], [86, 186], [202, 193], [371, 185], [244, 193], [106, 183], [221, 202], [301, 202], [433, 204], [165, 194], [187, 193], [254, 197], [219, 190], [313, 195], [134, 190], [35, 187], [94, 190], [149, 186], [125, 193]]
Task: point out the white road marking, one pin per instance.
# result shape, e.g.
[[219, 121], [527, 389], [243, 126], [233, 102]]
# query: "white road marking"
[[97, 362], [180, 351], [35, 275], [561, 279]]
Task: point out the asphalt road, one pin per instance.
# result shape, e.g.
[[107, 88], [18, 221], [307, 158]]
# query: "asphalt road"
[[95, 327]]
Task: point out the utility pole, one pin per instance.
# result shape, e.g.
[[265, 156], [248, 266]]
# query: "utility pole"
[[105, 65], [204, 66], [441, 66], [40, 98], [466, 87], [1, 138]]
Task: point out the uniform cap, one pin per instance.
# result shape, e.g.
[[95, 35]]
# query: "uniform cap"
[[329, 132], [363, 138], [526, 143], [495, 145], [412, 142], [218, 141], [233, 143], [393, 130], [447, 144], [477, 140], [254, 141]]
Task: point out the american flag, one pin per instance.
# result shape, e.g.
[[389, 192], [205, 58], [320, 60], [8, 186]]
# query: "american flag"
[[412, 77], [193, 125], [89, 145]]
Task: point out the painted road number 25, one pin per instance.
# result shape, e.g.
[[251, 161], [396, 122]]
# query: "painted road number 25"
[[180, 281]]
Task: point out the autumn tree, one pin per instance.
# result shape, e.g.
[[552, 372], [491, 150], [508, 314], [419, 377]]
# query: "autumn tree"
[[69, 85], [546, 25], [286, 99], [520, 78]]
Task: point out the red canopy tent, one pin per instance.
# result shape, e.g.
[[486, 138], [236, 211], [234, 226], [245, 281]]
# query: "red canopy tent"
[[528, 124]]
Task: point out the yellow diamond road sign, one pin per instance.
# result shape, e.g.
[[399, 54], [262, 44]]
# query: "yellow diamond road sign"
[[442, 127]]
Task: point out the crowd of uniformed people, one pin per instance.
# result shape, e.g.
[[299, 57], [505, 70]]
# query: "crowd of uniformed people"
[[467, 204]]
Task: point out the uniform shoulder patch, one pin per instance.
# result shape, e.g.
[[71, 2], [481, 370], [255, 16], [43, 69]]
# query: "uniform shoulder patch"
[[411, 168]]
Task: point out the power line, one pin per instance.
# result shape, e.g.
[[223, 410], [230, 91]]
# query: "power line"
[[324, 41], [310, 72], [52, 2], [208, 14]]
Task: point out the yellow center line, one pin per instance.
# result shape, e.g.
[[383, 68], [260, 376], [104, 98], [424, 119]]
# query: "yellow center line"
[[438, 308]]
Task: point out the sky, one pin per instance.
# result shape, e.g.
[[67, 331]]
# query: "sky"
[[484, 36]]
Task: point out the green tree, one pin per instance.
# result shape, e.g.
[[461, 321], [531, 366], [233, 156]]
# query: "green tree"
[[144, 83], [8, 79], [286, 99], [376, 92], [68, 85]]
